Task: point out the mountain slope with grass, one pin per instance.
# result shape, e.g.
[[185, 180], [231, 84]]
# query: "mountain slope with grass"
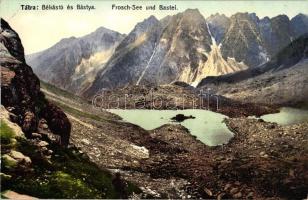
[[37, 157]]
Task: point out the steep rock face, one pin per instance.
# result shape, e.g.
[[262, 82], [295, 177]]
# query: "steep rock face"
[[72, 63], [281, 81], [131, 56], [281, 34], [287, 58], [242, 40], [181, 49], [218, 25], [299, 24], [255, 41], [20, 90], [177, 48]]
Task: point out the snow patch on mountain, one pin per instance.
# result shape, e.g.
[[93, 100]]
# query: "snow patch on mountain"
[[148, 64], [263, 55]]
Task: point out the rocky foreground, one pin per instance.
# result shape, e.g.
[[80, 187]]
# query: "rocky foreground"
[[263, 160]]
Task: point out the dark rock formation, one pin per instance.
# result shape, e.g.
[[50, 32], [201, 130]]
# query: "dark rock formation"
[[218, 25], [20, 89], [299, 24], [181, 117]]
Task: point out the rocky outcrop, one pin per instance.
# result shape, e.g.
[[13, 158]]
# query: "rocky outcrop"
[[20, 90]]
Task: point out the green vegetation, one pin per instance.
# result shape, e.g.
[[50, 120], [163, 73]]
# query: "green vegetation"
[[68, 95], [69, 109], [78, 113], [68, 174], [6, 133], [59, 91], [8, 162], [2, 193]]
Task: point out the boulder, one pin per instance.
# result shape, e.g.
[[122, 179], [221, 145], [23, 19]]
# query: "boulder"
[[8, 161], [5, 176], [42, 144], [85, 141], [20, 157], [36, 135], [238, 195]]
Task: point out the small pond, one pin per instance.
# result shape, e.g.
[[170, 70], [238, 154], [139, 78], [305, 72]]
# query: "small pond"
[[287, 116]]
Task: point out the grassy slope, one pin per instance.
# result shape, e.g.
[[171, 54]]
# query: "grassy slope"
[[70, 174], [66, 107], [59, 91], [6, 133]]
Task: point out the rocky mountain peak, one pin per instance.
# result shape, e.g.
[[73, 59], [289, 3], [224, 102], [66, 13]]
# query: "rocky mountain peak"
[[192, 16], [67, 40], [147, 23], [300, 24], [194, 12], [216, 16], [265, 19], [182, 47], [11, 41], [301, 15], [218, 24], [281, 18], [4, 24], [254, 17]]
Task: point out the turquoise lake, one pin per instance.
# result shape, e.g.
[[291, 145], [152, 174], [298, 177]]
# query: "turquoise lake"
[[207, 126], [287, 116]]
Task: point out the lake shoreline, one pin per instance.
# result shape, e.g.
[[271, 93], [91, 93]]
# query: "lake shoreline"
[[145, 97], [267, 156], [180, 166]]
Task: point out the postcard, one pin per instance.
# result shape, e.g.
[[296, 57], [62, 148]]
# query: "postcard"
[[154, 99]]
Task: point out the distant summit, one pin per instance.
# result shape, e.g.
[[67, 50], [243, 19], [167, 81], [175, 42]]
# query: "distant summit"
[[184, 47]]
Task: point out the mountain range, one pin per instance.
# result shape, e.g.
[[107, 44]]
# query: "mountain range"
[[184, 47], [73, 63], [281, 81]]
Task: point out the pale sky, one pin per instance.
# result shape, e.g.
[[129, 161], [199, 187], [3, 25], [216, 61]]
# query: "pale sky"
[[40, 29]]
